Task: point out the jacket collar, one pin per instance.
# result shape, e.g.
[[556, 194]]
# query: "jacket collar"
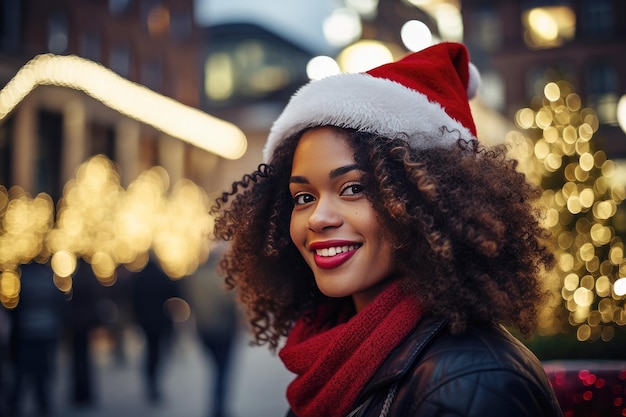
[[400, 360]]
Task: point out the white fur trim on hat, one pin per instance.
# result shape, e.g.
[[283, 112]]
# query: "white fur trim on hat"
[[355, 101]]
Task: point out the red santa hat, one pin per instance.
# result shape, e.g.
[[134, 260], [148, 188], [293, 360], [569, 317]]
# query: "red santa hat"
[[424, 96]]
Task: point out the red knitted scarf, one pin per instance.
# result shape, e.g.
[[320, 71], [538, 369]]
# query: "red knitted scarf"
[[334, 361]]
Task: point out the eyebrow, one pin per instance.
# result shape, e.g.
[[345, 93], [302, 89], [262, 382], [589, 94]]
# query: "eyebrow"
[[342, 170], [298, 179]]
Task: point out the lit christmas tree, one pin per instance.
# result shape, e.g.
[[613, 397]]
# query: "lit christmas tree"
[[582, 194]]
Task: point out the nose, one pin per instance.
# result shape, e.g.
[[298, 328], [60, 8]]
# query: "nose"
[[325, 215]]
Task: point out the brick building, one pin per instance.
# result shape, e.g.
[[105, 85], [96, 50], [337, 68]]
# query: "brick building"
[[153, 44]]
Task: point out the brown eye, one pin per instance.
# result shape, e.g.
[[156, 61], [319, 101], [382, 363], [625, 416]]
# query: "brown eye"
[[302, 198], [352, 189]]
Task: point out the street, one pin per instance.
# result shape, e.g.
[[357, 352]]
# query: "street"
[[258, 382]]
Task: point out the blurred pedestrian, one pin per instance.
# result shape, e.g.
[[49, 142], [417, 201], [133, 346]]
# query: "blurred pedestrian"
[[152, 287], [35, 332], [81, 318], [391, 248], [5, 326], [217, 322]]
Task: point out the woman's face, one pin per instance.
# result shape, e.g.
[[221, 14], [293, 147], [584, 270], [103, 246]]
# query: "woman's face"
[[333, 224]]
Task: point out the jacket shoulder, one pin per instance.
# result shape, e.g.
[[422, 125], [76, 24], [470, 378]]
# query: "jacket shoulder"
[[480, 349], [482, 372], [486, 371]]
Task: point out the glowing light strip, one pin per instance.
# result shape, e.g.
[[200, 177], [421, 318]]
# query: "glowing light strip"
[[133, 100]]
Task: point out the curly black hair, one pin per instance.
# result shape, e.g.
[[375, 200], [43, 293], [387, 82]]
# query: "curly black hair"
[[467, 236]]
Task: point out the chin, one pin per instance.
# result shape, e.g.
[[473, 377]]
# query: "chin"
[[333, 291]]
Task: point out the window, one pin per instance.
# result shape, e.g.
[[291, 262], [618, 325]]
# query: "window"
[[57, 32], [117, 7], [597, 20], [152, 74], [90, 46], [601, 81], [486, 29], [181, 23], [48, 158], [102, 140], [9, 25], [120, 59]]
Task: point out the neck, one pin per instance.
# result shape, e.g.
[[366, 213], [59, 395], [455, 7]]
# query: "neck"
[[362, 299]]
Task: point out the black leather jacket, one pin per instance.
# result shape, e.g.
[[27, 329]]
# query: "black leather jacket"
[[482, 373]]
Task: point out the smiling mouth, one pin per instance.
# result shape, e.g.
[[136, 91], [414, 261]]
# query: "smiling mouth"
[[334, 256], [335, 250]]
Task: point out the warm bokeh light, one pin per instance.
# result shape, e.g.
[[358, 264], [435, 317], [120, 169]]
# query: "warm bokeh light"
[[221, 84], [621, 113], [363, 56], [447, 15], [581, 198], [620, 287], [449, 20], [342, 27], [321, 66], [416, 35], [136, 101], [548, 27], [24, 224], [106, 225], [63, 263], [9, 288]]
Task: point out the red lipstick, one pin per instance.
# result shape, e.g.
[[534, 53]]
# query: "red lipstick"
[[347, 249]]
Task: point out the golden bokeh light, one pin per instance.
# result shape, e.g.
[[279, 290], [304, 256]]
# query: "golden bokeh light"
[[579, 212], [364, 55], [9, 284], [619, 287], [106, 225], [548, 26], [63, 263], [552, 91], [24, 224]]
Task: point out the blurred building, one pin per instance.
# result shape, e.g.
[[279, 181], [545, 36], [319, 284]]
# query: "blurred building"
[[249, 74], [520, 45], [243, 72], [250, 71], [138, 106]]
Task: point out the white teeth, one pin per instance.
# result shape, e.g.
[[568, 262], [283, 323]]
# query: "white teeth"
[[335, 250]]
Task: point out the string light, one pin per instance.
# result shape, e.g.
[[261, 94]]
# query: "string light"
[[136, 101]]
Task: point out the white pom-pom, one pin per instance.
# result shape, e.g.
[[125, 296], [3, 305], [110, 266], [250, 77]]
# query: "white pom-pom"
[[474, 81]]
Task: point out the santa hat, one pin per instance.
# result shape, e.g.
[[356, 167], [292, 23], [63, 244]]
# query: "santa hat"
[[424, 96]]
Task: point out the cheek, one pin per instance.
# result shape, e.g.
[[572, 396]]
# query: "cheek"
[[298, 235], [294, 229]]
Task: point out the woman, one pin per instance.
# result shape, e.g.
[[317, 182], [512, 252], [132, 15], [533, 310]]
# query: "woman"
[[390, 249]]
